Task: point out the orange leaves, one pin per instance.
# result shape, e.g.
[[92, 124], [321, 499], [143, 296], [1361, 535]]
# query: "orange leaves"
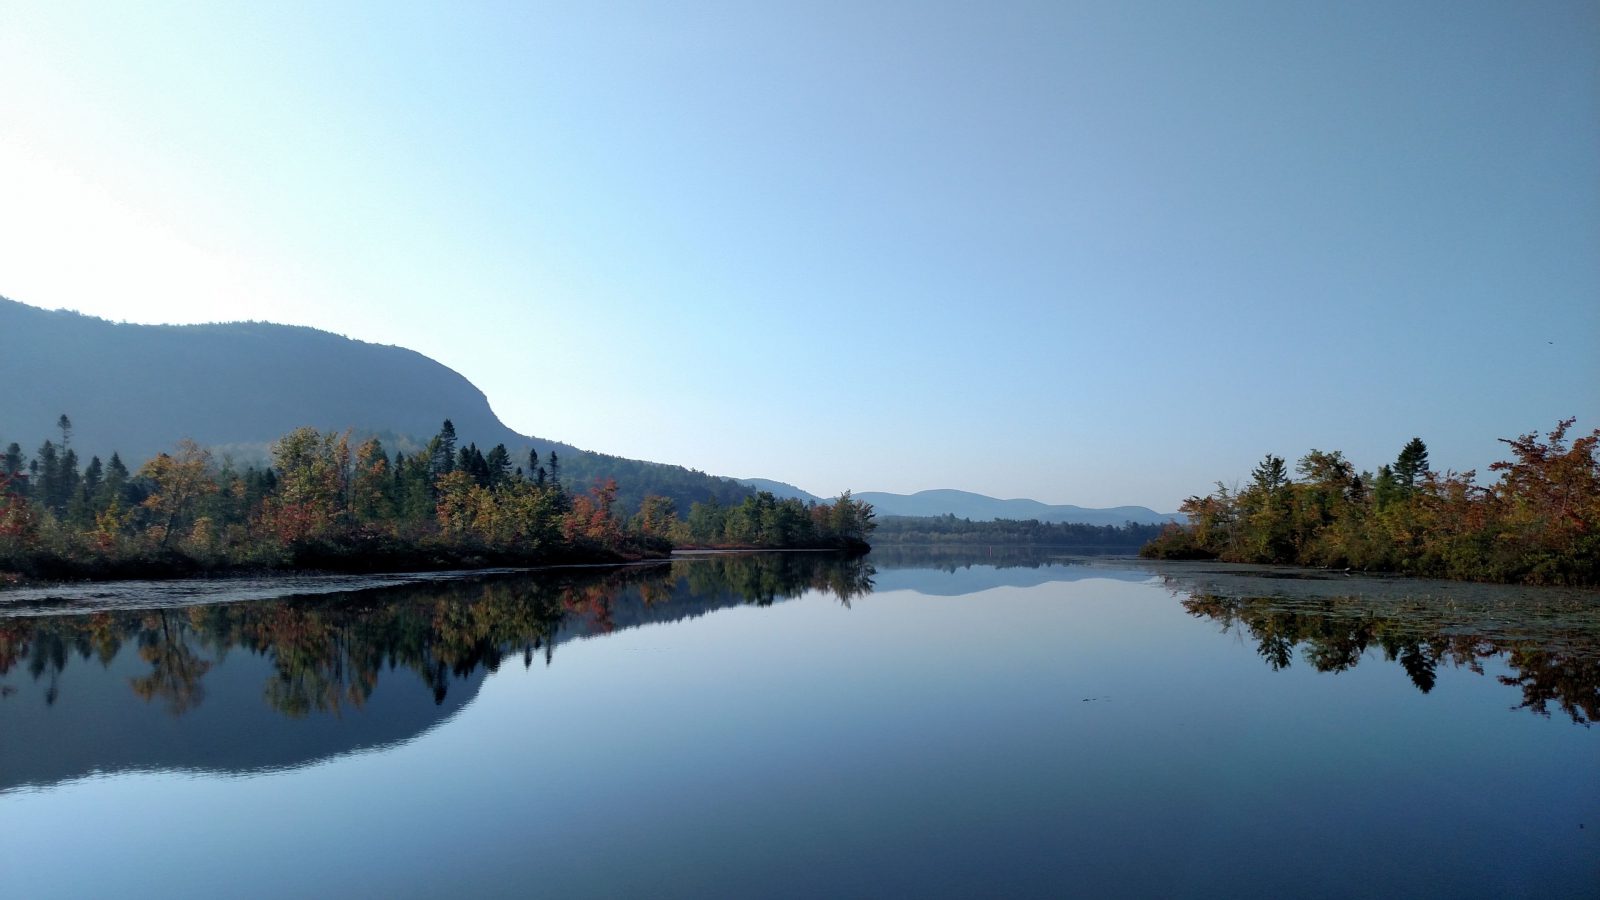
[[1551, 482], [590, 519]]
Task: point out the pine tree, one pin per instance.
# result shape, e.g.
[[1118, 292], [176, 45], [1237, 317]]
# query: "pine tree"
[[499, 465], [81, 510], [11, 463], [443, 447], [67, 473], [47, 477], [1412, 464], [1270, 474], [92, 476], [117, 487], [1357, 492]]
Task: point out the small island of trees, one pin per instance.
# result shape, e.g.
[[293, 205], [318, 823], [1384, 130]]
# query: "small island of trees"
[[324, 504], [1539, 523]]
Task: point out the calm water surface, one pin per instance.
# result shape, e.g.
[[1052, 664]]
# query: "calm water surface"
[[799, 725]]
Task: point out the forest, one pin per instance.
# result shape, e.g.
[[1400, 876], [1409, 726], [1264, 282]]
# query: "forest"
[[949, 530], [1537, 523], [323, 504]]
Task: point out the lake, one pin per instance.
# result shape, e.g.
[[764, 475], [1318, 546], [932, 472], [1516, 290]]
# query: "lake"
[[909, 723]]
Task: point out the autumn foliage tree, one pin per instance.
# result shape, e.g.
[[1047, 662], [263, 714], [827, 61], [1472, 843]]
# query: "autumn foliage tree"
[[1538, 523], [322, 504], [313, 485], [177, 484]]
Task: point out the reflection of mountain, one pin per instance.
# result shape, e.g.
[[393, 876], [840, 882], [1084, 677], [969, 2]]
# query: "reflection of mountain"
[[240, 687], [971, 579], [951, 572], [97, 722]]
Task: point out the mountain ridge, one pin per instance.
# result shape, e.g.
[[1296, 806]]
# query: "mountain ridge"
[[979, 507], [238, 386]]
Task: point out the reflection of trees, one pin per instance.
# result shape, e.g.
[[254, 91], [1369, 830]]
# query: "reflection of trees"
[[328, 652], [175, 668], [763, 578], [1552, 677], [1555, 663]]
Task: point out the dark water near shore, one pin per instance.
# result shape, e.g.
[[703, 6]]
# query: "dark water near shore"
[[802, 725]]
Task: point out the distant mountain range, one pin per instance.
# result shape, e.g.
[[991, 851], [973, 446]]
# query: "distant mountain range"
[[138, 389], [978, 507]]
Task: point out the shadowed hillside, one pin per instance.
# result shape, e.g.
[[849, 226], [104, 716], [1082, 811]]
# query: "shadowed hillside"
[[137, 389]]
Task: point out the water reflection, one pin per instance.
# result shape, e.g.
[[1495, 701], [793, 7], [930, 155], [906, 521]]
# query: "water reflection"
[[1554, 660], [316, 662], [258, 684]]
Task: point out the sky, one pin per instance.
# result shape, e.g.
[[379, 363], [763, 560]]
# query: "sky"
[[1091, 253]]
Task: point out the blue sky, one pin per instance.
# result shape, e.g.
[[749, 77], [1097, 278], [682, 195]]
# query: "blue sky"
[[1088, 253]]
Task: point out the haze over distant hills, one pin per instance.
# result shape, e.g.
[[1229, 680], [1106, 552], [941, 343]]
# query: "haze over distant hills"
[[138, 389], [978, 507]]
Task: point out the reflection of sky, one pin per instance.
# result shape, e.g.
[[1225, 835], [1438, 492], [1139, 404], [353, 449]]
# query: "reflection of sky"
[[1085, 733], [968, 579]]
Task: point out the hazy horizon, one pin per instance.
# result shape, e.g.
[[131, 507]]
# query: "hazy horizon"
[[1096, 255]]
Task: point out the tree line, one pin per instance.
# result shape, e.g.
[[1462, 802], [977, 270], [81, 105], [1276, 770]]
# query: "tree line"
[[764, 520], [322, 503], [948, 529], [1538, 523]]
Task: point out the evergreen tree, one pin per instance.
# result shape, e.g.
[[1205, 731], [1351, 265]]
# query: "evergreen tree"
[[12, 463], [92, 476], [81, 511], [114, 489], [499, 465], [1357, 492], [443, 449], [1412, 464], [47, 481], [1270, 475], [67, 472], [471, 461], [1385, 489]]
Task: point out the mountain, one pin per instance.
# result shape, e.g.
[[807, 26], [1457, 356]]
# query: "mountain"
[[978, 507], [780, 489], [967, 505], [236, 387]]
